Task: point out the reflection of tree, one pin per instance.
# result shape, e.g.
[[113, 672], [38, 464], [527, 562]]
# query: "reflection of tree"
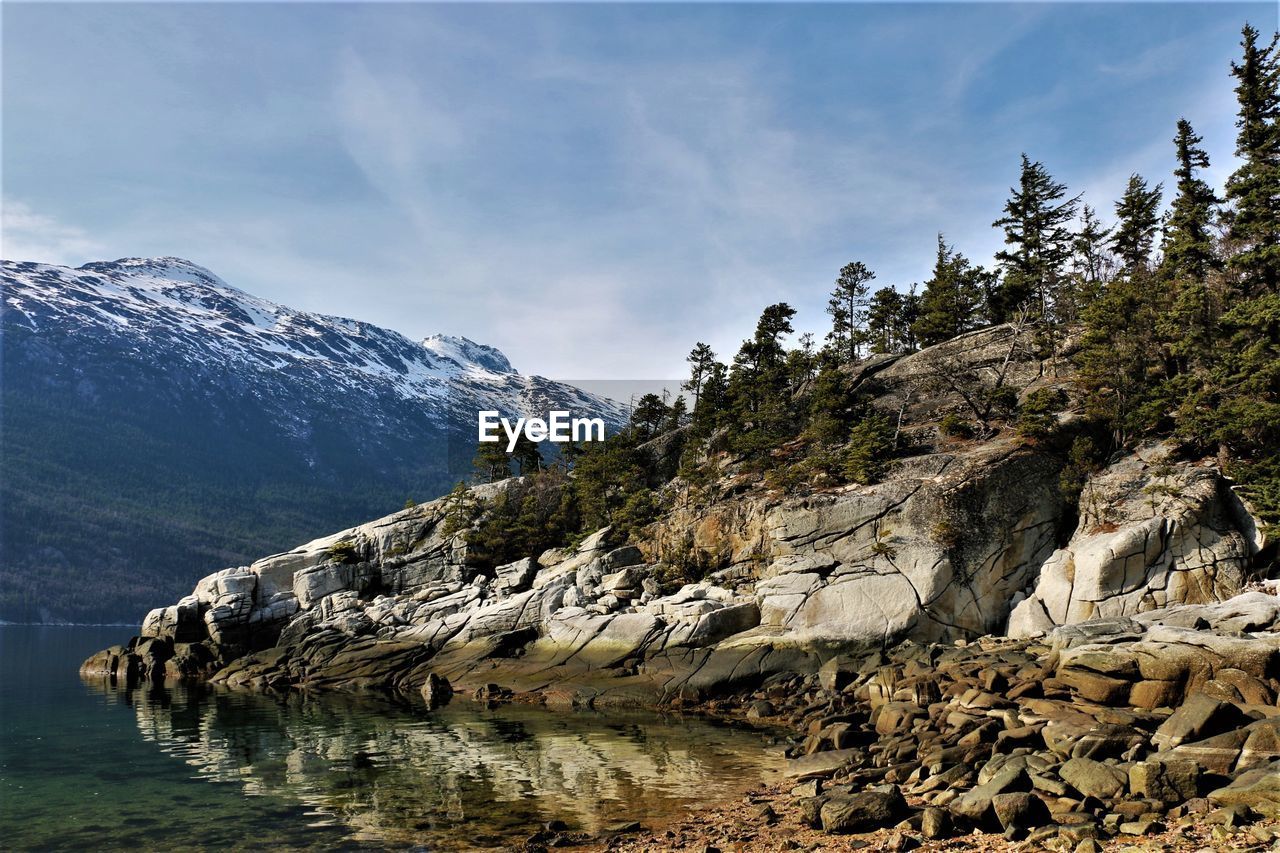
[[462, 776]]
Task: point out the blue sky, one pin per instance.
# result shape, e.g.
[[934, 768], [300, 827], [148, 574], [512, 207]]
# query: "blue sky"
[[589, 188]]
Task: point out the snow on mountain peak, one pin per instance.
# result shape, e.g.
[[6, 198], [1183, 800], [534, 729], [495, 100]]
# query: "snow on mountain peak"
[[174, 312], [463, 351], [169, 268]]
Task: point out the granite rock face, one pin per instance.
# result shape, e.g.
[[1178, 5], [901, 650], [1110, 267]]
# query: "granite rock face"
[[936, 552], [1152, 533]]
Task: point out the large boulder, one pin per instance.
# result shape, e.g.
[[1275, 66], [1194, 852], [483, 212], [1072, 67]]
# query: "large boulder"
[[1152, 533]]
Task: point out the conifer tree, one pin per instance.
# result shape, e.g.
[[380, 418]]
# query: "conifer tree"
[[801, 362], [1254, 189], [1035, 228], [1090, 263], [1188, 242], [1117, 358], [1239, 408], [758, 383], [677, 414], [1190, 325], [526, 455], [713, 402], [911, 305], [700, 360], [952, 300], [848, 309], [884, 321], [648, 417], [492, 462], [1135, 232]]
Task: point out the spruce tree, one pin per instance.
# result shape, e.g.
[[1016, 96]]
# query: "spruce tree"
[[1091, 265], [1254, 189], [1239, 408], [1035, 228], [1135, 233], [848, 309], [1190, 325], [1188, 241]]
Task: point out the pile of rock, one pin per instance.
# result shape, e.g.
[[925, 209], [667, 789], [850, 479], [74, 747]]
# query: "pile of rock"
[[1105, 729]]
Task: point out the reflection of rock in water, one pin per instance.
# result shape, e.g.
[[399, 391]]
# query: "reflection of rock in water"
[[395, 773]]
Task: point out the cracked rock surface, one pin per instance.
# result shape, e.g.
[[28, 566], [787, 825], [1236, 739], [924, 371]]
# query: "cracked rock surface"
[[1151, 533], [938, 552]]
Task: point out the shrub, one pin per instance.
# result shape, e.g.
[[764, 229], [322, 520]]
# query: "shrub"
[[1083, 461], [870, 444], [1038, 414], [954, 426], [343, 551]]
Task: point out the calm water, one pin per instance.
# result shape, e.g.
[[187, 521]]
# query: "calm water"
[[84, 767]]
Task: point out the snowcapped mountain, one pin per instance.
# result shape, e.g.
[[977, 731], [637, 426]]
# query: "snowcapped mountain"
[[173, 310], [156, 417]]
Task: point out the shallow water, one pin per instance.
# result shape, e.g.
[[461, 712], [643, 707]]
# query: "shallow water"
[[83, 766]]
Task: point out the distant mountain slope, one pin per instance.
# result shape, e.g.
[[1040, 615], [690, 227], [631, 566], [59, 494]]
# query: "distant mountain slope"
[[158, 423]]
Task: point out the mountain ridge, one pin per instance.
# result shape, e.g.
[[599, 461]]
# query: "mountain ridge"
[[163, 403]]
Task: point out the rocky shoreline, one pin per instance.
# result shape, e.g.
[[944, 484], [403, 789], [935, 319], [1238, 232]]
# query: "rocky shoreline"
[[955, 649], [1159, 731]]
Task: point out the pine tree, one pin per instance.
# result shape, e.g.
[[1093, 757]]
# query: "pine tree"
[[677, 415], [1035, 227], [648, 417], [884, 321], [492, 462], [952, 300], [1254, 189], [801, 362], [848, 309], [763, 353], [1188, 242], [758, 384], [700, 360], [713, 402], [526, 455], [1135, 233]]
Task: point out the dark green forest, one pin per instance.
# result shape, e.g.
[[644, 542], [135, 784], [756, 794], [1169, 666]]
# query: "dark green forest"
[[110, 506]]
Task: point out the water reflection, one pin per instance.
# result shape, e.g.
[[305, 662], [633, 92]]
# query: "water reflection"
[[458, 777]]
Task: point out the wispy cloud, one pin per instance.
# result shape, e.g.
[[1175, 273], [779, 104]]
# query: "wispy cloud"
[[29, 235], [394, 133], [591, 188]]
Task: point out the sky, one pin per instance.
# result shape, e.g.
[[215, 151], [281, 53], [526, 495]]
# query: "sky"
[[590, 188]]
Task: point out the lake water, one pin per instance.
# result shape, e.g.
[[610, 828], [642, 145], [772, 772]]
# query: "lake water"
[[85, 767]]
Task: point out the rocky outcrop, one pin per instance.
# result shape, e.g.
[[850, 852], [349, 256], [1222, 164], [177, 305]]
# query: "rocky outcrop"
[[936, 552], [1152, 532]]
